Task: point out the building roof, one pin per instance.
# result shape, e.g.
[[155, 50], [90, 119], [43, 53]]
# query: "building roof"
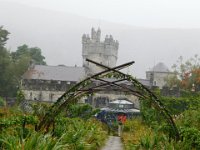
[[116, 110], [119, 101], [59, 73], [63, 73], [160, 67]]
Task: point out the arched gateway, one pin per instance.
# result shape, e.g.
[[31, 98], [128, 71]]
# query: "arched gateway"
[[89, 85]]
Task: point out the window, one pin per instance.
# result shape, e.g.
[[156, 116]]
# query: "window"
[[40, 96], [121, 106], [51, 96], [31, 95]]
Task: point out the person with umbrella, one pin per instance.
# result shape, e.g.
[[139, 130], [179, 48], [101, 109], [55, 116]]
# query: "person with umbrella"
[[121, 121]]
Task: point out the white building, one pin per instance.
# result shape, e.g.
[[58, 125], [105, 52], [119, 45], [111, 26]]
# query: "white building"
[[48, 83], [158, 75]]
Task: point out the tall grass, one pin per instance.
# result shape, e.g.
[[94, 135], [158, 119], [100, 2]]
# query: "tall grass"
[[139, 136], [76, 134], [68, 133]]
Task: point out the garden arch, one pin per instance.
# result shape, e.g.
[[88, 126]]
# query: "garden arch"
[[88, 86]]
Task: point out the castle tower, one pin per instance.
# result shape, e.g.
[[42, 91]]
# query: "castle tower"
[[104, 52]]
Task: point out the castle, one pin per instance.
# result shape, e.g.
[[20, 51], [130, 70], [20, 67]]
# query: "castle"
[[104, 52], [48, 83]]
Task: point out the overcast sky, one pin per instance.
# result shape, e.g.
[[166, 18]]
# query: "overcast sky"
[[147, 13], [144, 45]]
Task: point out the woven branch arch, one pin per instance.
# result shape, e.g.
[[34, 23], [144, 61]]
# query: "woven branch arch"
[[89, 85]]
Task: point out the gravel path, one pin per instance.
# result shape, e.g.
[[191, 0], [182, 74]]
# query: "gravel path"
[[113, 143]]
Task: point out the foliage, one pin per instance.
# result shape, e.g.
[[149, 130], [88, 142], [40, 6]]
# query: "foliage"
[[191, 137], [149, 114], [20, 97], [76, 134], [172, 80], [40, 109], [84, 111], [185, 112], [133, 130], [142, 137], [174, 105], [33, 141], [3, 37], [14, 64], [17, 132], [178, 105], [154, 139], [2, 102], [32, 53], [74, 140], [187, 74], [189, 119], [17, 120], [80, 133], [6, 80]]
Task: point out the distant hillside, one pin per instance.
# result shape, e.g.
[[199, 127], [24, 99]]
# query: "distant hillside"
[[59, 36]]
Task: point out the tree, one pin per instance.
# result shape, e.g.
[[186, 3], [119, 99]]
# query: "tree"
[[187, 73], [172, 81], [2, 102], [13, 65], [23, 57], [3, 37], [33, 53], [5, 64], [37, 56]]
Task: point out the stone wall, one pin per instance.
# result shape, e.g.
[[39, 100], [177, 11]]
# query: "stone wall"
[[44, 90], [104, 52], [173, 92], [47, 96], [100, 99]]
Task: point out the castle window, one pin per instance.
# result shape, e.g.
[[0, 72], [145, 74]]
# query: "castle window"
[[51, 96], [40, 96], [121, 106], [31, 95]]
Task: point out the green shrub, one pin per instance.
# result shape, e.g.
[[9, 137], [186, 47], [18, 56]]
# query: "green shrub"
[[20, 97], [191, 137], [84, 111], [69, 134], [2, 102], [78, 133]]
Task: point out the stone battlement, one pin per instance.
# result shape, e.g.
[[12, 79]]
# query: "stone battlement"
[[104, 52], [96, 38]]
